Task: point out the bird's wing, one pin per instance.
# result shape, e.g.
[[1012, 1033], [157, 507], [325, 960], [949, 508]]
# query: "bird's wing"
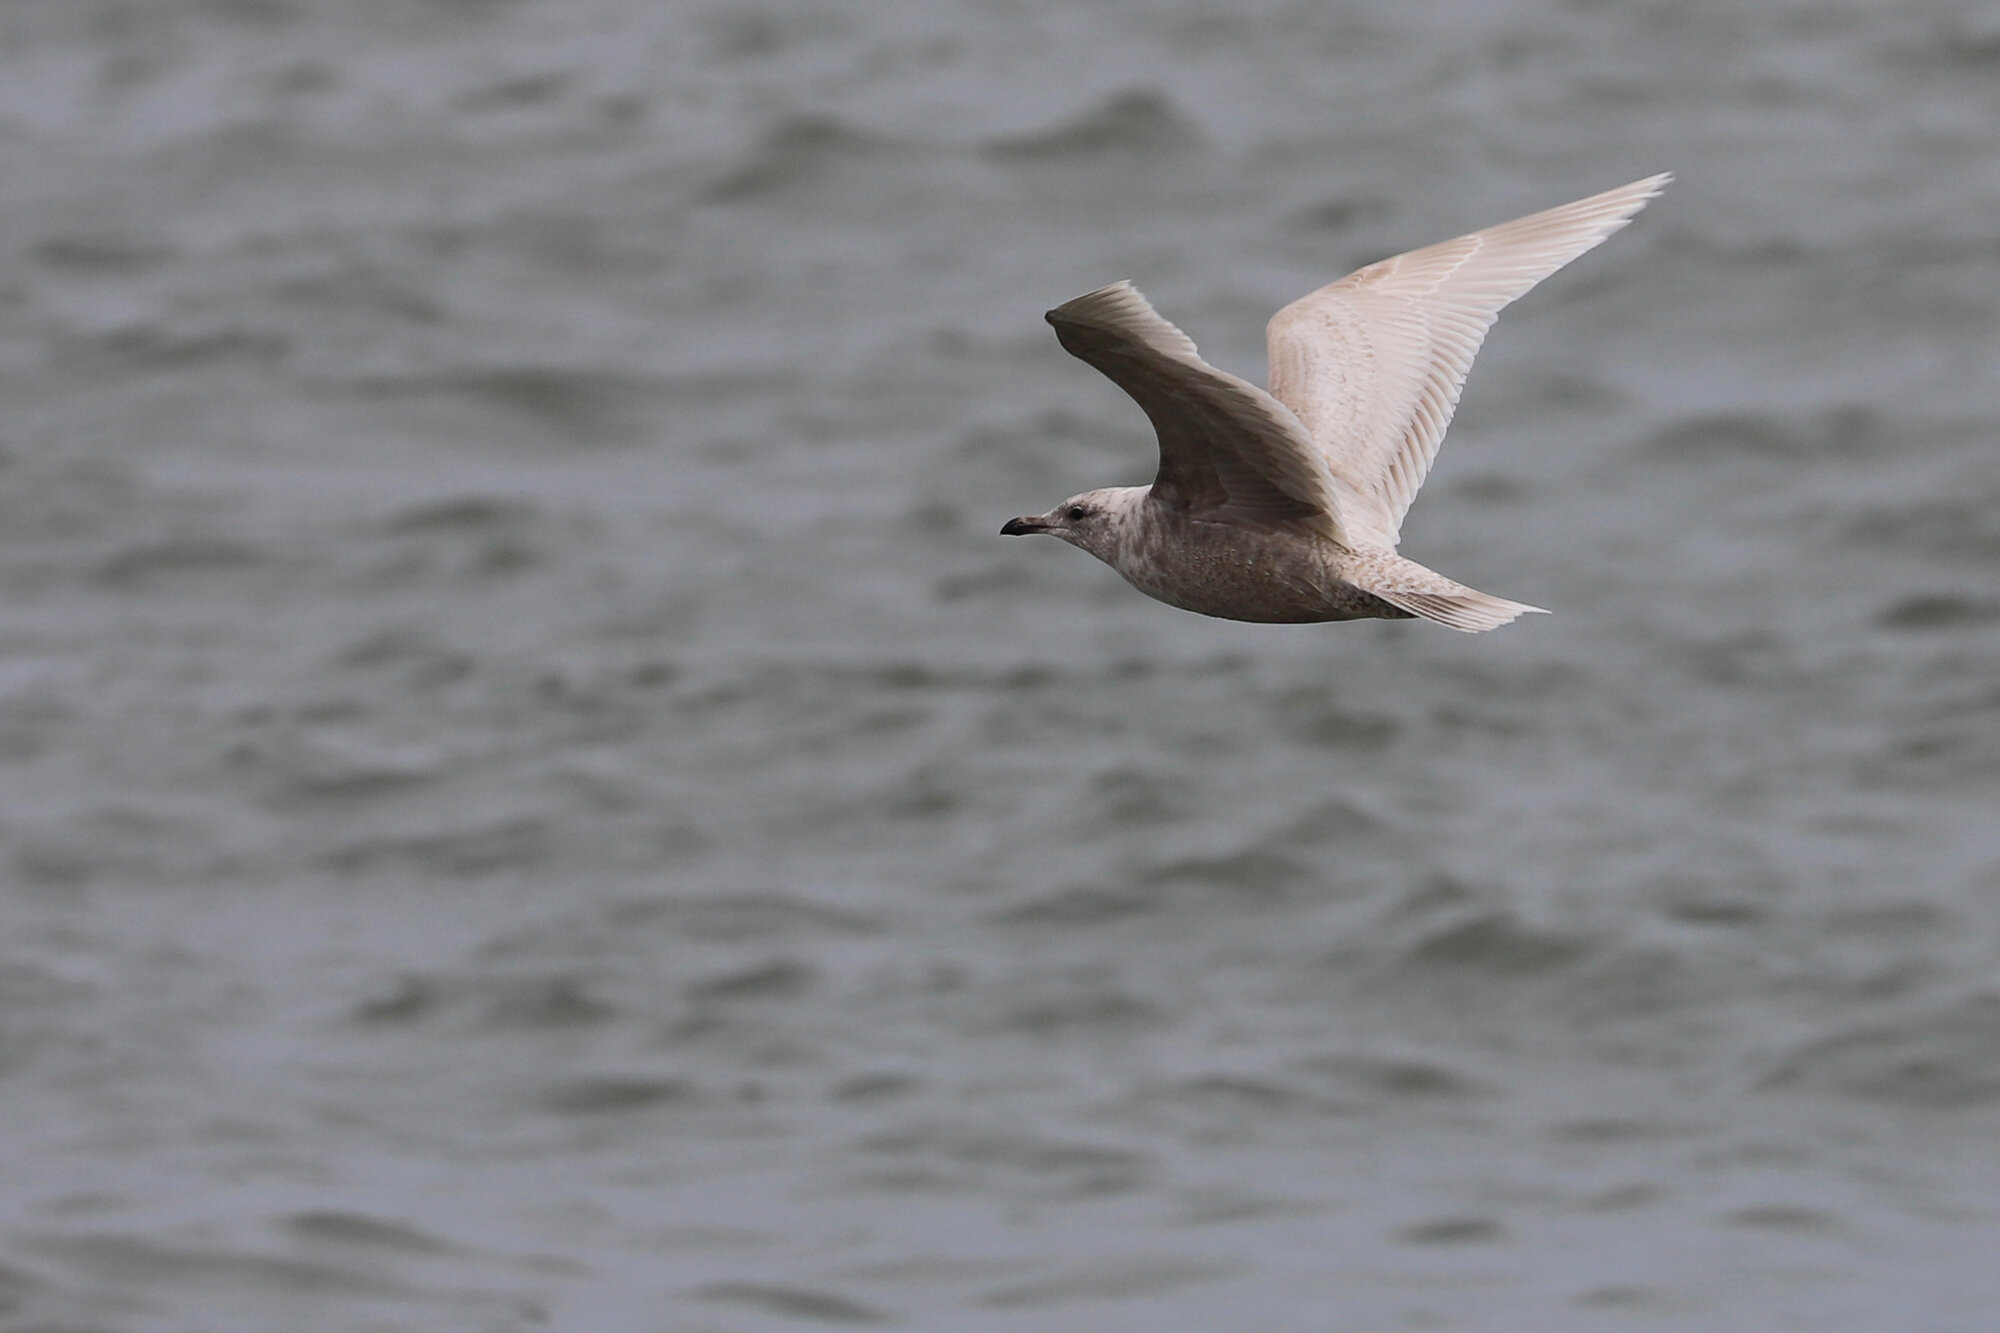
[[1228, 450], [1372, 364]]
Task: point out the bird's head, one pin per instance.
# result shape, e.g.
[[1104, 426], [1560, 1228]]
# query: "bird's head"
[[1095, 521]]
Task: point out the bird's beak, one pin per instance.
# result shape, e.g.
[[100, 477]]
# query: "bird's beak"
[[1022, 527]]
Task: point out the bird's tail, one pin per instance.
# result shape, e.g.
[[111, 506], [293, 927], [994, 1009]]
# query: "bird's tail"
[[1427, 593]]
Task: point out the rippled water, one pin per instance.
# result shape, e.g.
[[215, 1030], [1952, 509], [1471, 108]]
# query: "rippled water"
[[536, 797]]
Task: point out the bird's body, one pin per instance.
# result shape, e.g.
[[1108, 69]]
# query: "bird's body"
[[1275, 575], [1287, 506]]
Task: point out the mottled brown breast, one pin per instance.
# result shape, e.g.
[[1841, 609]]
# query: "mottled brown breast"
[[1265, 575]]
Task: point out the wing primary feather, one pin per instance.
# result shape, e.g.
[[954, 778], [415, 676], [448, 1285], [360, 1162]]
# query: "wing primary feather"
[[1372, 364]]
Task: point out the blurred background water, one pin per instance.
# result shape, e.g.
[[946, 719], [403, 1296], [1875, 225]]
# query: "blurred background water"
[[536, 797]]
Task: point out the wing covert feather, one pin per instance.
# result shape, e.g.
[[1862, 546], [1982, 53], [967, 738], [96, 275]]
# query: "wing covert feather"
[[1228, 449]]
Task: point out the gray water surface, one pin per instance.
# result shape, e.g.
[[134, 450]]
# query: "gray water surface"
[[533, 796]]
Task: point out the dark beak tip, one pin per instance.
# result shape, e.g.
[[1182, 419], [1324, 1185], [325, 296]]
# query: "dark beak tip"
[[1017, 527]]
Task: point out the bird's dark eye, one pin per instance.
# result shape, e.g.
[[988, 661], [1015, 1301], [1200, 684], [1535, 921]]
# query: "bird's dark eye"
[[1075, 513]]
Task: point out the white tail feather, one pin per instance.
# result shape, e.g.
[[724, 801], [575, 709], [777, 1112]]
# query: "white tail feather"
[[1470, 611], [1427, 593]]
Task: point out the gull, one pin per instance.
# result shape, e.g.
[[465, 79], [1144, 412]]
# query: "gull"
[[1286, 507]]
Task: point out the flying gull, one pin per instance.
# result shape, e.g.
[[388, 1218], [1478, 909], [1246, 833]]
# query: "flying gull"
[[1286, 507]]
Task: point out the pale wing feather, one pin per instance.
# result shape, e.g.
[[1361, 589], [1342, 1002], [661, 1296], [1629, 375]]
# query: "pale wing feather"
[[1228, 450], [1372, 365]]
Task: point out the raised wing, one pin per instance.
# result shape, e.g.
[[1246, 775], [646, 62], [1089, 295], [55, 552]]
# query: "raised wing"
[[1228, 450], [1371, 365]]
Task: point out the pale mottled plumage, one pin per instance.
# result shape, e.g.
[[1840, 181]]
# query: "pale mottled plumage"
[[1287, 506]]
